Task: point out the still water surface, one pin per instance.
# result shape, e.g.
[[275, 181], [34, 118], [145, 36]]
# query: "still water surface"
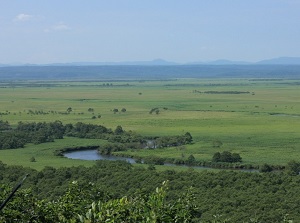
[[94, 155]]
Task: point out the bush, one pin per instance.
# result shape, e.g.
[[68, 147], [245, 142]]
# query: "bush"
[[265, 168]]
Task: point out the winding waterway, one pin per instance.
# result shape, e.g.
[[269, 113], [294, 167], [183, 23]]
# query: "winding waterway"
[[94, 155]]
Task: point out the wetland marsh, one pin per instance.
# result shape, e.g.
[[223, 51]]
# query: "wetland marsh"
[[261, 125]]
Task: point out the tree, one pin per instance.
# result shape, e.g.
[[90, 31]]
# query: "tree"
[[90, 110], [119, 130], [4, 125], [57, 129], [293, 168], [235, 157], [188, 138], [217, 143], [191, 160], [123, 110], [42, 136], [115, 110], [69, 109], [226, 157], [216, 157]]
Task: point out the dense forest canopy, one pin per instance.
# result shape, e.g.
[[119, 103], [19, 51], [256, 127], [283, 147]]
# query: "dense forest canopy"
[[225, 196]]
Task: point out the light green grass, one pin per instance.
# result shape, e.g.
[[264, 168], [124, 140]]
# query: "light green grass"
[[44, 154], [242, 122]]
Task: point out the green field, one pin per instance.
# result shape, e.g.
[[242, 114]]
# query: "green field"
[[257, 118]]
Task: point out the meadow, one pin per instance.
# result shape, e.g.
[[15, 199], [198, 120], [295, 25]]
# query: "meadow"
[[257, 118]]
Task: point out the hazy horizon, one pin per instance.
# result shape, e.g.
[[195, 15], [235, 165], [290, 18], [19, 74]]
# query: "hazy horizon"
[[116, 31]]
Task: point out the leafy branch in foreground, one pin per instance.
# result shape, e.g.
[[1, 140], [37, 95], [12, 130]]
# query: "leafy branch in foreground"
[[152, 208], [76, 205]]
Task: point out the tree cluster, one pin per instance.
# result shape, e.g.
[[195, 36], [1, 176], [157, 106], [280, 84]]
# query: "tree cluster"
[[156, 110], [226, 157], [31, 133], [42, 132], [82, 130], [109, 148], [168, 141], [4, 125]]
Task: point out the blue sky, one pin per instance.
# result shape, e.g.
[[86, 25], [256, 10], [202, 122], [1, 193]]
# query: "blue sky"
[[36, 31]]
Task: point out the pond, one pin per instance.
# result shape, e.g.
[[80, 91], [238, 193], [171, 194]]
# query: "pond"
[[94, 155]]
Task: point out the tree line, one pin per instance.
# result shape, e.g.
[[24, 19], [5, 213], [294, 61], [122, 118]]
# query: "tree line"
[[41, 132]]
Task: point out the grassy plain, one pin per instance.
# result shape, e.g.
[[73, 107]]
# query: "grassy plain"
[[263, 126]]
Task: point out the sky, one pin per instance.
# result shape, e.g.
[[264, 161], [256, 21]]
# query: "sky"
[[35, 31]]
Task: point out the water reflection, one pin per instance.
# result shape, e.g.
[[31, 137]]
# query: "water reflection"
[[94, 155]]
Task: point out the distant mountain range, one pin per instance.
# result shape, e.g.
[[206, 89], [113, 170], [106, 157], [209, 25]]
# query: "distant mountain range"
[[274, 61], [161, 62]]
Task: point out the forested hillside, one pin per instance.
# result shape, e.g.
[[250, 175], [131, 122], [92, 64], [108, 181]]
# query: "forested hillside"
[[225, 196]]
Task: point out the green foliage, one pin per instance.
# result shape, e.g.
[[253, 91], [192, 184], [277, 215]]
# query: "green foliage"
[[82, 130], [151, 167], [265, 168], [232, 195], [155, 160], [78, 204], [69, 109], [188, 138], [191, 160], [217, 143], [109, 148], [4, 125], [227, 157], [119, 130], [36, 133], [168, 141], [293, 167], [90, 110], [20, 208], [12, 140], [151, 208]]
